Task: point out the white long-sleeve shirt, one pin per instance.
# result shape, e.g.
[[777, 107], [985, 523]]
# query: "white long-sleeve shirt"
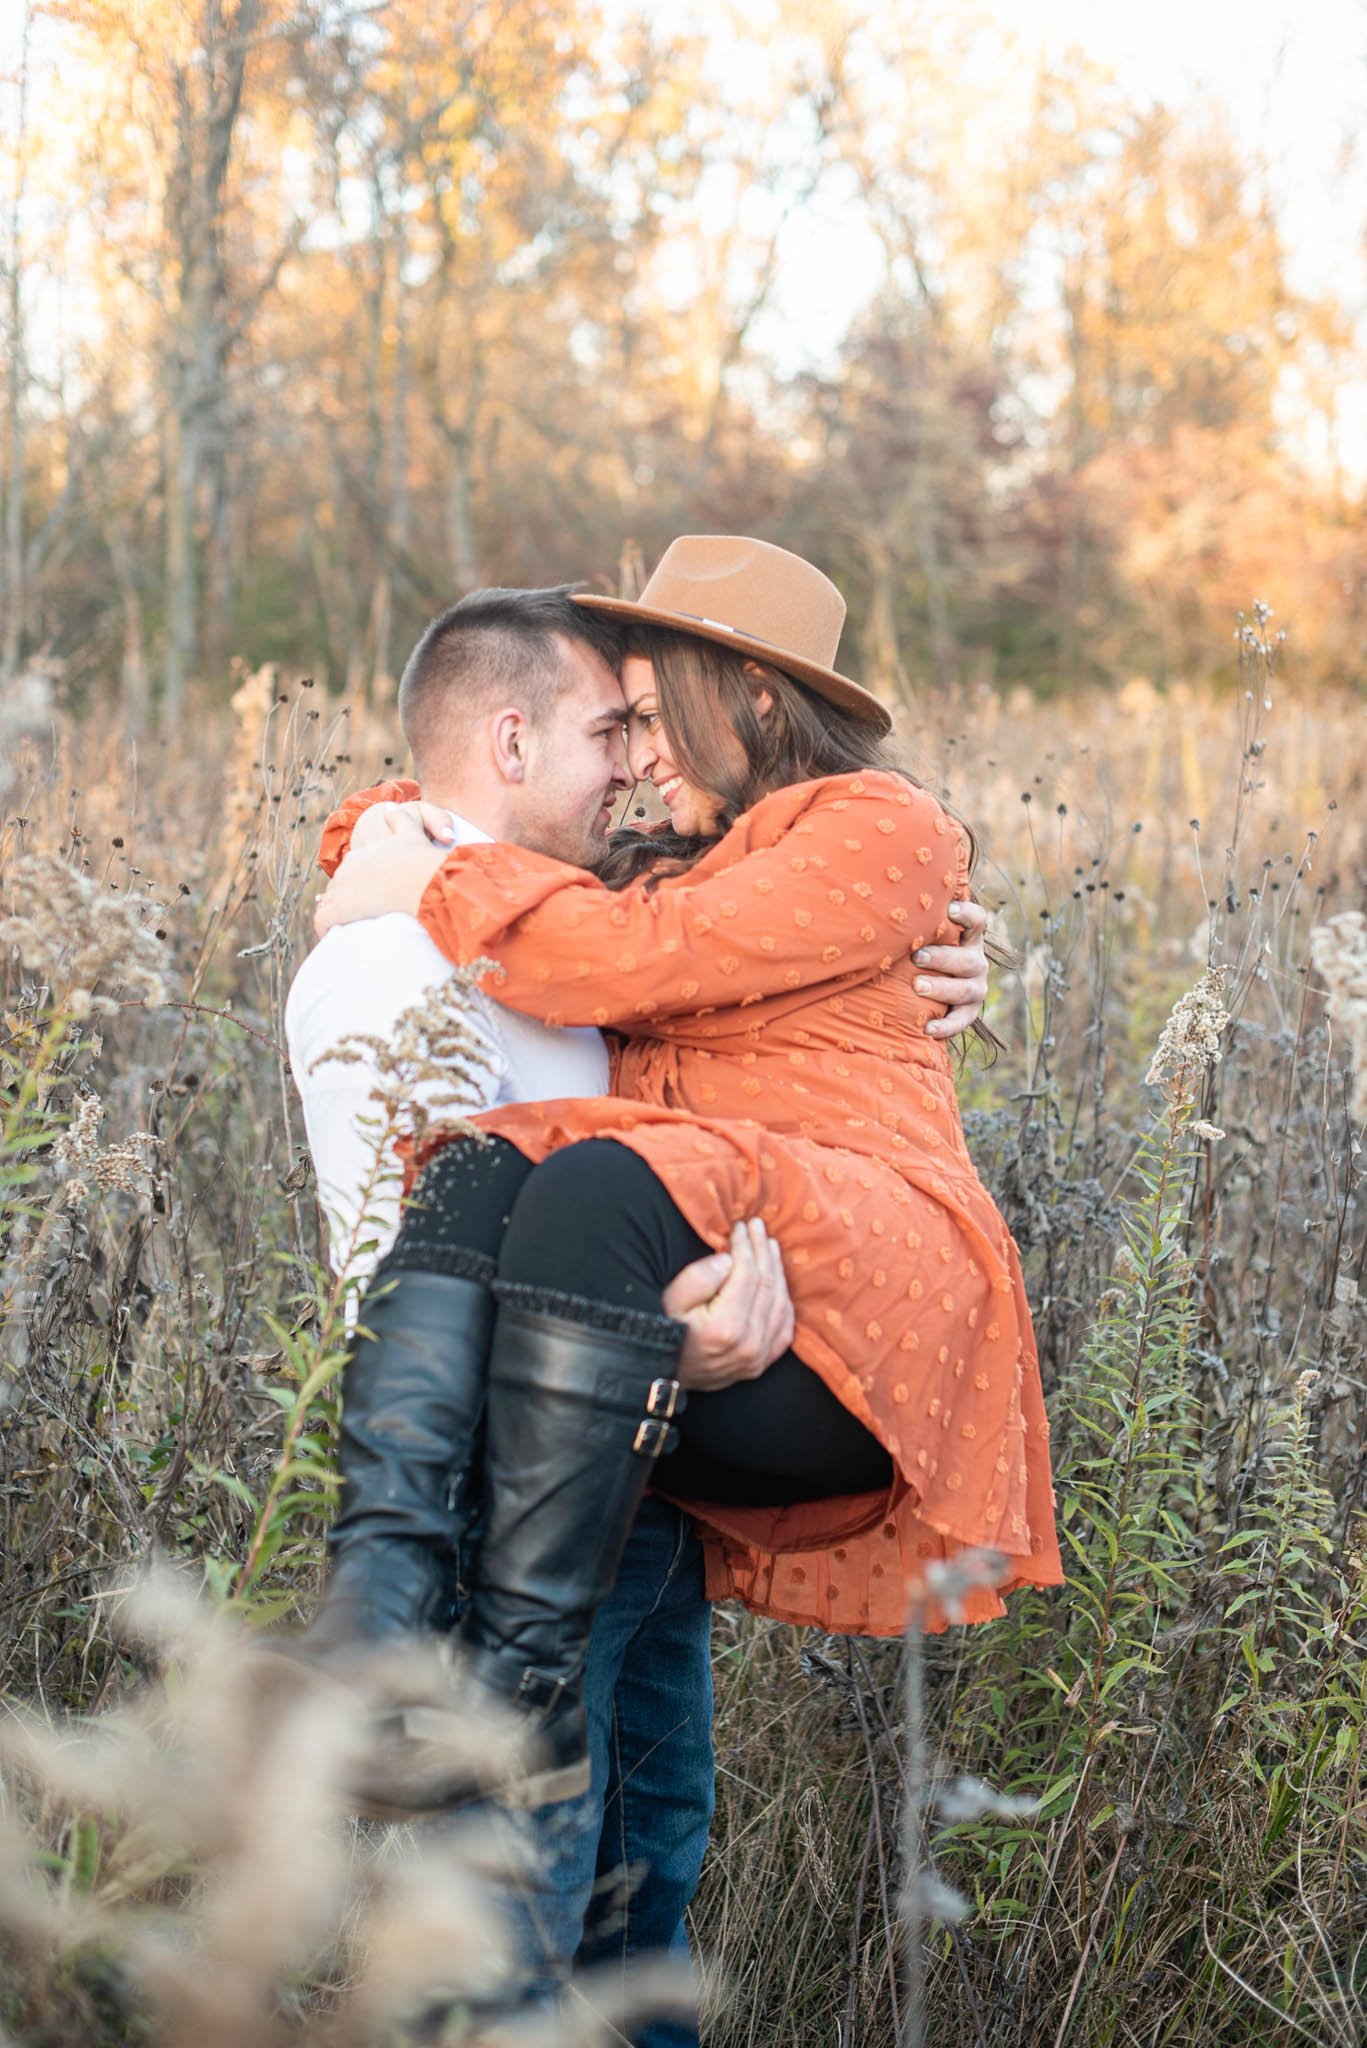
[[359, 979]]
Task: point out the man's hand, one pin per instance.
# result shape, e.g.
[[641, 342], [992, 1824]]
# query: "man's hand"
[[738, 1311], [414, 822], [956, 975], [390, 875]]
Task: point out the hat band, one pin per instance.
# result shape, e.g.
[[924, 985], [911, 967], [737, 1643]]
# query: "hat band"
[[720, 626]]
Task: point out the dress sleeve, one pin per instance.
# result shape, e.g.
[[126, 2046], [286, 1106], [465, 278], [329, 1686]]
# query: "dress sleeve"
[[856, 873], [338, 829]]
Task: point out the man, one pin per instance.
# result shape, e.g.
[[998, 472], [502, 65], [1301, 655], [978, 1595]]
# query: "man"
[[514, 714]]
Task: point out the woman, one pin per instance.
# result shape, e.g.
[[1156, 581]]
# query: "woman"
[[755, 963]]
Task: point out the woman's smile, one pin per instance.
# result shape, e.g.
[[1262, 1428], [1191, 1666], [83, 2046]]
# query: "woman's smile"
[[692, 810]]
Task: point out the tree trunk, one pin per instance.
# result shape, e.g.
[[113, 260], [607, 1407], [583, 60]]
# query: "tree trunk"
[[461, 542], [182, 471], [133, 672], [460, 517], [926, 540], [220, 581], [399, 502], [12, 647], [385, 461], [208, 93], [925, 484], [379, 634], [880, 654], [396, 520]]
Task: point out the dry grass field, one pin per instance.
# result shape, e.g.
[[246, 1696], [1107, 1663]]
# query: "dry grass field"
[[1141, 1797]]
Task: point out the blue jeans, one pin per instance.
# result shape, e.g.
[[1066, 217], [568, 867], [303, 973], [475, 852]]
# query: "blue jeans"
[[618, 1866]]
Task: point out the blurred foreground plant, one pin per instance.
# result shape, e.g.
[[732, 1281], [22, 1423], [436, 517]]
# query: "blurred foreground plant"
[[181, 1872], [203, 1891]]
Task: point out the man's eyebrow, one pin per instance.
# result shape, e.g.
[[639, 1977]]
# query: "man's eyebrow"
[[606, 719]]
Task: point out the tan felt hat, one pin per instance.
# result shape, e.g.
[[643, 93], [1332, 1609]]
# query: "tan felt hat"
[[757, 598]]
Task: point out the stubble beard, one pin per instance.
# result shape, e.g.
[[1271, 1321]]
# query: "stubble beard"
[[582, 846]]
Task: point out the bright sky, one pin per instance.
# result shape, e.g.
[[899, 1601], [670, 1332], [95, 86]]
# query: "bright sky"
[[1291, 75]]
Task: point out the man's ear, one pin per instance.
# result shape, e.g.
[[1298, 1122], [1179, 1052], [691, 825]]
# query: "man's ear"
[[508, 735]]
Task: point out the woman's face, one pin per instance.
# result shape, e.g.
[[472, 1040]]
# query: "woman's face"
[[692, 811]]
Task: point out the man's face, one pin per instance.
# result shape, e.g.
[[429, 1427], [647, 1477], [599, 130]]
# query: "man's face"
[[576, 765]]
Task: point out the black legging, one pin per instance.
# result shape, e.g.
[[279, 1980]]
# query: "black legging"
[[594, 1221]]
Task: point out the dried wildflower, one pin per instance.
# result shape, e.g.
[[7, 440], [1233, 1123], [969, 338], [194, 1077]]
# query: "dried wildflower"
[[1254, 640], [77, 936], [125, 1168], [425, 1081], [436, 1064], [80, 1141], [1208, 1133], [1190, 1043], [1339, 951]]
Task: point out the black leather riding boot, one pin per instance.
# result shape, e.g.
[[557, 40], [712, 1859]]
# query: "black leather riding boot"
[[412, 1405], [579, 1405]]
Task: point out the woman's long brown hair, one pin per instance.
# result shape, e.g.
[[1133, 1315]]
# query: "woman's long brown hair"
[[707, 697], [723, 744]]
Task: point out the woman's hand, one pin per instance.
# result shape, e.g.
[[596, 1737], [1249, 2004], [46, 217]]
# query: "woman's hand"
[[956, 975], [737, 1310], [413, 822], [392, 874]]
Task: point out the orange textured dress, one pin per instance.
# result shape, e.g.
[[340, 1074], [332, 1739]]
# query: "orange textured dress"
[[770, 1060]]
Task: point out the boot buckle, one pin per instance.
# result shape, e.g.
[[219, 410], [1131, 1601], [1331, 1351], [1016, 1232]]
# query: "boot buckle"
[[666, 1398], [539, 1690], [652, 1439]]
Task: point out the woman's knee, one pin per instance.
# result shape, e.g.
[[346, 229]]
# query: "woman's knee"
[[594, 1220], [463, 1198]]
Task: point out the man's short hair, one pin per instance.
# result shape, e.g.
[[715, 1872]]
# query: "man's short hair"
[[495, 647]]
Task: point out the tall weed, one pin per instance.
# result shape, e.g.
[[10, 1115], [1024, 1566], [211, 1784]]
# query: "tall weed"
[[1180, 1728]]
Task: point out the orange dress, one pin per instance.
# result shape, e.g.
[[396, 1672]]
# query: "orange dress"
[[771, 1061]]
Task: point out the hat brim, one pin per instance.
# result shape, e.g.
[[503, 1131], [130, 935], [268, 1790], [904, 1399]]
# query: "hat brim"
[[827, 682]]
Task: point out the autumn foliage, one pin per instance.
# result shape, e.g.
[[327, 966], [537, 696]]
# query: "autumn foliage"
[[322, 314]]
